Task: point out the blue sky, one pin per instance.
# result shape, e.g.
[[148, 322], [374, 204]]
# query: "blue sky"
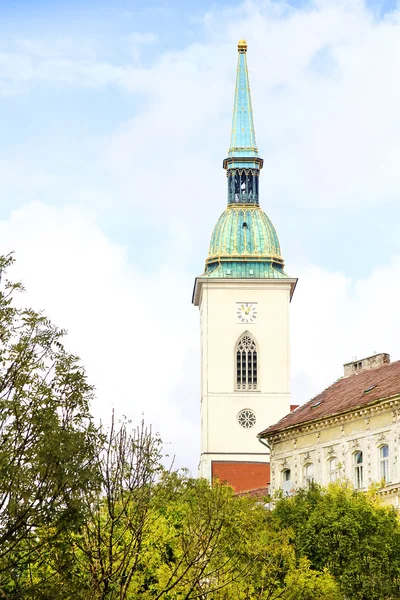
[[41, 113], [115, 119], [176, 22]]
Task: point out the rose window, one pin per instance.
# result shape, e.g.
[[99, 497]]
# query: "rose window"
[[247, 418]]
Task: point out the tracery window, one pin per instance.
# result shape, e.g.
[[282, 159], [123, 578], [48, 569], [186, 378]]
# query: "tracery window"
[[247, 418], [246, 363], [358, 470], [384, 462]]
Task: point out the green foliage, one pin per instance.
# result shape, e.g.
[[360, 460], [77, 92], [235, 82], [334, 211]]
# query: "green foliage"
[[47, 440], [348, 533], [302, 583]]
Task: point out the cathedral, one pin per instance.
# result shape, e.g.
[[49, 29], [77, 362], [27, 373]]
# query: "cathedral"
[[244, 297]]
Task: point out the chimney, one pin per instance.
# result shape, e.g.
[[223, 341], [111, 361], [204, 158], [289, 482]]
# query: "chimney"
[[371, 362]]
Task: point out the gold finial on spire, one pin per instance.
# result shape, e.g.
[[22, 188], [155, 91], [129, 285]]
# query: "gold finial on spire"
[[242, 46]]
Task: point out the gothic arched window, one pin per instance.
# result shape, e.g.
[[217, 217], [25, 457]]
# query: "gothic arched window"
[[246, 363]]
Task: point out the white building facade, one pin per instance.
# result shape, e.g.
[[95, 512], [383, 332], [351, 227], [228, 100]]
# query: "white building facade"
[[351, 431]]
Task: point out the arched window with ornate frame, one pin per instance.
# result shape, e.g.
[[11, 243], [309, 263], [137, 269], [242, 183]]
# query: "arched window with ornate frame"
[[358, 463], [384, 462], [287, 484], [246, 363], [308, 474], [333, 470]]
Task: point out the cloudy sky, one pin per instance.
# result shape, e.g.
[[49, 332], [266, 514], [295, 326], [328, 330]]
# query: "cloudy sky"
[[114, 120]]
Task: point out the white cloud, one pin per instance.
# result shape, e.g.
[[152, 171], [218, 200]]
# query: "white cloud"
[[17, 70], [52, 47], [336, 319], [136, 333]]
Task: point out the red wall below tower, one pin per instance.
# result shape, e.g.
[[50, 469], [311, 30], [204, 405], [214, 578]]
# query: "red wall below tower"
[[242, 476]]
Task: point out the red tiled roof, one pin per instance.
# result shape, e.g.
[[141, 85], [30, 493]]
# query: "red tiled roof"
[[347, 393], [260, 492]]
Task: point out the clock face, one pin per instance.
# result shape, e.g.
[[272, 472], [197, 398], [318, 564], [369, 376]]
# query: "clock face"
[[246, 312]]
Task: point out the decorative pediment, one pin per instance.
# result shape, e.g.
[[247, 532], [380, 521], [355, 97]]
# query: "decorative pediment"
[[381, 438], [306, 458], [355, 444], [331, 451]]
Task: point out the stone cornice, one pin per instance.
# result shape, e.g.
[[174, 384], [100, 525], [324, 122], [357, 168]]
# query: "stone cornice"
[[237, 284], [390, 490], [336, 419]]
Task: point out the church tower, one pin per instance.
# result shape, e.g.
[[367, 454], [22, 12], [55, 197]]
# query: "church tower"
[[243, 297]]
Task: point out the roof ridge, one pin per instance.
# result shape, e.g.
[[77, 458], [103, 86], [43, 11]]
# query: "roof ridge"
[[346, 393]]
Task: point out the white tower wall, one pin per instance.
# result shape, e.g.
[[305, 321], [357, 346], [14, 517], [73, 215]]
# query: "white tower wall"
[[222, 437]]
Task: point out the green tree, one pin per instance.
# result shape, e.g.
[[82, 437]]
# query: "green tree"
[[47, 439], [349, 533], [111, 542], [188, 551], [207, 543], [172, 537]]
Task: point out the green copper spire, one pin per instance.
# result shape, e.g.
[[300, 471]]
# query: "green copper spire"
[[243, 151], [243, 136]]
